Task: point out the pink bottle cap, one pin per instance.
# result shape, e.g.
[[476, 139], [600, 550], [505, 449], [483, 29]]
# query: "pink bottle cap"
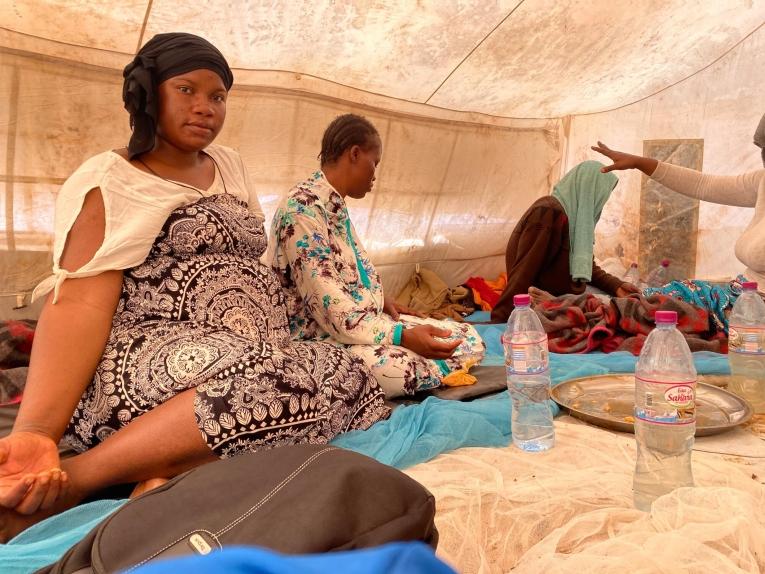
[[521, 300], [750, 285], [666, 317]]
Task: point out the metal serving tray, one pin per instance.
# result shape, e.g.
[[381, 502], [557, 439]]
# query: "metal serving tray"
[[608, 401]]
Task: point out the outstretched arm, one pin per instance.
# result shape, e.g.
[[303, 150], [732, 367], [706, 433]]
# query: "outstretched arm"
[[739, 190], [69, 340], [625, 160]]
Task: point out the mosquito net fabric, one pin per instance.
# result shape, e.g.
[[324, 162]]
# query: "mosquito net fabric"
[[570, 509]]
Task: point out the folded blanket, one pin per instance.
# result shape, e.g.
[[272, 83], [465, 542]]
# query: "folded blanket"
[[584, 323]]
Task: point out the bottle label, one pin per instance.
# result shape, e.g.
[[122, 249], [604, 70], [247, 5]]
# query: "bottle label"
[[665, 403], [746, 340], [526, 357], [680, 396]]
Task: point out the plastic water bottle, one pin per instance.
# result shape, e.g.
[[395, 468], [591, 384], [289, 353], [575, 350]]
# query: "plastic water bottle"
[[528, 378], [658, 277], [633, 275], [746, 347], [665, 412]]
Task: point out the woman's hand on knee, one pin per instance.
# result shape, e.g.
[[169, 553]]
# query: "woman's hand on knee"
[[422, 340], [30, 477]]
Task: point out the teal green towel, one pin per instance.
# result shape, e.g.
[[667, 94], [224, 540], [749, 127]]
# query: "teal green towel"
[[583, 192]]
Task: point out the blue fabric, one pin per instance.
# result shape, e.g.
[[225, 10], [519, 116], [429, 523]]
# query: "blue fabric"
[[492, 338], [479, 317], [714, 298], [46, 541], [445, 370], [417, 433], [398, 558]]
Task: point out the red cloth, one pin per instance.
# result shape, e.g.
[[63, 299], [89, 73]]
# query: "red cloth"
[[487, 293]]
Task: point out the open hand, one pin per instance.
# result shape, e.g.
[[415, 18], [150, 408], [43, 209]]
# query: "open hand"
[[621, 160], [422, 340], [30, 477]]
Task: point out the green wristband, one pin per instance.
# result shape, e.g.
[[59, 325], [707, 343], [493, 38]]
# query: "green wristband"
[[397, 331]]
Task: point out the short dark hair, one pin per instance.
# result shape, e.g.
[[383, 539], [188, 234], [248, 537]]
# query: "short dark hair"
[[345, 131]]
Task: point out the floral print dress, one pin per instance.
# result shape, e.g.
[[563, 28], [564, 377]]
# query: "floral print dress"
[[202, 312], [334, 292]]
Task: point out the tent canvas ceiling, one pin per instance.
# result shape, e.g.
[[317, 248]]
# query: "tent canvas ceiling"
[[510, 58], [481, 106]]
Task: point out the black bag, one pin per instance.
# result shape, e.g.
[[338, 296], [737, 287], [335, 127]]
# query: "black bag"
[[295, 499]]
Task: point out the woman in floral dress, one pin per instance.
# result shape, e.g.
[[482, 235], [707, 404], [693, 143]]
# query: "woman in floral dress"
[[335, 293]]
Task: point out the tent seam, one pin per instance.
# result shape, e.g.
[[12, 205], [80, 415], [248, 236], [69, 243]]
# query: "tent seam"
[[470, 53], [143, 26]]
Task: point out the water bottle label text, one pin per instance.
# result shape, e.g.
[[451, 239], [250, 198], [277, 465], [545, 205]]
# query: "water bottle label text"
[[746, 340], [671, 403]]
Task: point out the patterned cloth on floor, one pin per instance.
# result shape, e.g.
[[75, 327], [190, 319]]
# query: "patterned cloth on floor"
[[584, 323], [714, 298]]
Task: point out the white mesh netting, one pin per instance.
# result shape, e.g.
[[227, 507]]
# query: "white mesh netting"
[[570, 509]]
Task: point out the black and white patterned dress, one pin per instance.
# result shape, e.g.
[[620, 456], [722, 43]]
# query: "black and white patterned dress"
[[203, 312]]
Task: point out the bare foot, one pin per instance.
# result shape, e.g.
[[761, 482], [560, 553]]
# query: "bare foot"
[[539, 295], [147, 485]]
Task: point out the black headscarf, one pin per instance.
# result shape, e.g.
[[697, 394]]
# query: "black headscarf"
[[161, 58]]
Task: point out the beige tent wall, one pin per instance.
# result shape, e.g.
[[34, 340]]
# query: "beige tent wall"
[[447, 84], [448, 192], [721, 105]]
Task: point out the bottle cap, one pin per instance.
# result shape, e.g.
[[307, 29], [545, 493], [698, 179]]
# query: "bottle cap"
[[666, 317], [521, 300], [665, 262], [750, 285], [634, 264]]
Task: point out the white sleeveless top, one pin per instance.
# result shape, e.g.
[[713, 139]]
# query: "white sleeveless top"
[[136, 206]]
